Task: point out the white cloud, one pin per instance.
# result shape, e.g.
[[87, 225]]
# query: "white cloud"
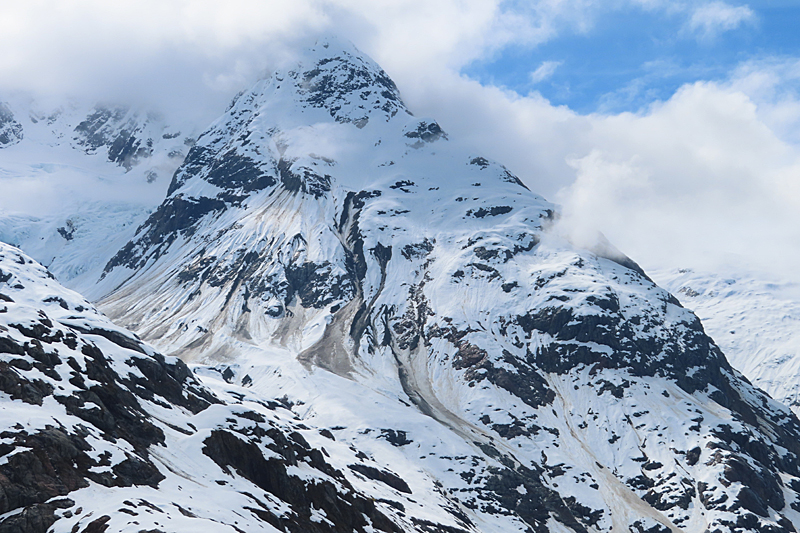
[[706, 178], [710, 174], [709, 20], [774, 86], [544, 71], [700, 180], [153, 51], [162, 46]]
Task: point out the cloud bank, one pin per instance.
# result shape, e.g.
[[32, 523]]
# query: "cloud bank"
[[710, 176]]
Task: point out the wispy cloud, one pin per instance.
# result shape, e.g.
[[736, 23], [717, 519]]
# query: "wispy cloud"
[[544, 71], [709, 20]]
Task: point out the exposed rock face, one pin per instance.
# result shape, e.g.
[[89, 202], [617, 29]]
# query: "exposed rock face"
[[347, 85], [125, 136], [10, 129], [118, 131]]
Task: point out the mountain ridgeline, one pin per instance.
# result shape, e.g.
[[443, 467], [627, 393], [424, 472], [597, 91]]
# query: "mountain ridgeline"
[[449, 363]]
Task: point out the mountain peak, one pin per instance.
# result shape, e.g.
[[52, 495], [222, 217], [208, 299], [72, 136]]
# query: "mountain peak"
[[336, 76], [332, 76]]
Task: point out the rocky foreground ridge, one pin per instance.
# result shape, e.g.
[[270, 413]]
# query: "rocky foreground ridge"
[[102, 433]]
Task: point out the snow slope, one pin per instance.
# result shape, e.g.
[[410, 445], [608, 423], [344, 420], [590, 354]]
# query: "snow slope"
[[322, 241], [100, 433]]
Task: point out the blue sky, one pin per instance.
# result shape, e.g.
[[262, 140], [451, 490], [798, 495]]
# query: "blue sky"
[[630, 56]]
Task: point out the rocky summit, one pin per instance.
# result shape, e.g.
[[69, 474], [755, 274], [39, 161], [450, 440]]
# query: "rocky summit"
[[383, 332]]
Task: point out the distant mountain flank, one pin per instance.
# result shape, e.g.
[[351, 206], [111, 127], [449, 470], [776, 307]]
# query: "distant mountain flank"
[[754, 320], [83, 177]]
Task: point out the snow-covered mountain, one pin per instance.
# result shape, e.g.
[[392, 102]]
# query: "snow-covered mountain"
[[384, 334], [78, 179], [754, 319], [321, 240]]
